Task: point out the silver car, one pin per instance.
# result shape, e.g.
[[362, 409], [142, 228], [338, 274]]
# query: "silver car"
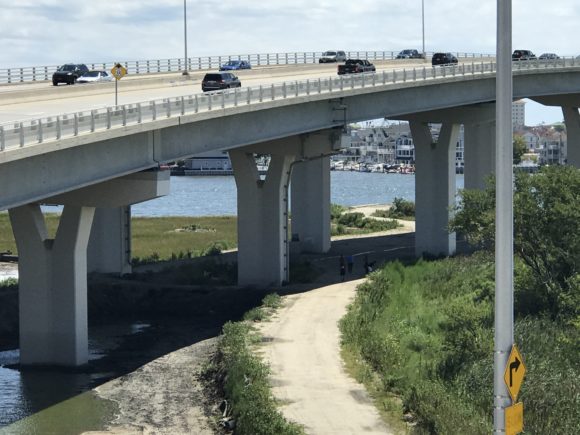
[[332, 56]]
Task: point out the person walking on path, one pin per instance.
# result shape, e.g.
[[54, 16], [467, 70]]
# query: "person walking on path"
[[350, 263], [342, 265]]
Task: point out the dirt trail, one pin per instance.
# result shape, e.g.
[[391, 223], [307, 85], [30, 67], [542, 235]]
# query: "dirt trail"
[[303, 350]]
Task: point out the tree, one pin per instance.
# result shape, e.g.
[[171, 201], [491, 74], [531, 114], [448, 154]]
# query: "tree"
[[546, 233], [519, 148]]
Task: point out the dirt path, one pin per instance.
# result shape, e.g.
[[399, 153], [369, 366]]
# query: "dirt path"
[[303, 350]]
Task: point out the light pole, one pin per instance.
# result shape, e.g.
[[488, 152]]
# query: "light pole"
[[504, 235], [423, 25], [185, 69]]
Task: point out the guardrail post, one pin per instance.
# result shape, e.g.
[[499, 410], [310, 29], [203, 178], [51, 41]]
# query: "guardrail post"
[[472, 68], [21, 75], [414, 74], [330, 83], [9, 76], [93, 120], [124, 115], [284, 89], [482, 67], [307, 86], [236, 97], [45, 73], [273, 92], [249, 96], [394, 76], [444, 71], [40, 138], [260, 95], [363, 80], [2, 139], [259, 59], [21, 132], [304, 55], [76, 124], [58, 127], [182, 102], [424, 73], [33, 74], [319, 86], [196, 105], [223, 100], [267, 58], [341, 83], [209, 101], [168, 109], [384, 77]]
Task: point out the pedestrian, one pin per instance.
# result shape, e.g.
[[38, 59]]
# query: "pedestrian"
[[350, 263], [342, 267]]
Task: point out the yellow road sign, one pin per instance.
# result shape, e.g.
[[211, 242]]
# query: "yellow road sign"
[[514, 373], [118, 71], [514, 419]]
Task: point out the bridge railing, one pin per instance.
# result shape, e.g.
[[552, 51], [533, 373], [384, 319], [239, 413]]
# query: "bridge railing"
[[156, 66], [37, 131]]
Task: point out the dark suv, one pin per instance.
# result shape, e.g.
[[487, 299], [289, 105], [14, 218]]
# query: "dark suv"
[[443, 59], [69, 73], [219, 80], [523, 55]]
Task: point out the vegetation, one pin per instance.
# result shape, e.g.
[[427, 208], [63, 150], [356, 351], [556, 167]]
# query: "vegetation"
[[357, 223], [245, 380], [401, 209], [424, 333], [155, 239], [519, 148]]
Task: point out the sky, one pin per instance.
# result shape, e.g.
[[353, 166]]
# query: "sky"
[[52, 32]]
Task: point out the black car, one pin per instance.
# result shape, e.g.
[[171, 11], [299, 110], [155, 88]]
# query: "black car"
[[219, 80], [523, 55], [69, 73], [409, 54], [443, 59]]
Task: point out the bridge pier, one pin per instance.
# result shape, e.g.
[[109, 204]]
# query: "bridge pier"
[[263, 248], [479, 154], [53, 272], [52, 286], [434, 187], [572, 120], [109, 249], [310, 191]]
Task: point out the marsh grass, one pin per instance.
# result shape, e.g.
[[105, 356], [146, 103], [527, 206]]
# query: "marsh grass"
[[160, 238]]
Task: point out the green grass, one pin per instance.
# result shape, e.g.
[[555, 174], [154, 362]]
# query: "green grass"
[[157, 238], [245, 377], [424, 334]]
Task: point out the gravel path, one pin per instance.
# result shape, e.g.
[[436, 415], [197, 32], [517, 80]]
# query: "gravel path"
[[303, 350]]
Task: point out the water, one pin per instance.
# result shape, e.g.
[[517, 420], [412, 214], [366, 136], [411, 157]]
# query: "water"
[[203, 196], [27, 393]]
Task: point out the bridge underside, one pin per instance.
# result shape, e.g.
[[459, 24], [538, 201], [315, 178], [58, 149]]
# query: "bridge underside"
[[299, 138]]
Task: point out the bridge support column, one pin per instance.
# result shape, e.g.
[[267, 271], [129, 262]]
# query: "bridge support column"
[[109, 248], [479, 154], [434, 187], [572, 120], [52, 286], [262, 218], [311, 205]]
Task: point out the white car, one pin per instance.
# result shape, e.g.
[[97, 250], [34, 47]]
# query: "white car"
[[95, 76]]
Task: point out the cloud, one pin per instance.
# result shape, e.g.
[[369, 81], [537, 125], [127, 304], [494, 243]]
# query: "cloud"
[[49, 32]]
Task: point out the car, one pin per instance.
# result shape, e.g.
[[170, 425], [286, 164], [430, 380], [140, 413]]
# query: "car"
[[353, 66], [523, 55], [409, 54], [443, 59], [69, 73], [549, 56], [332, 56], [95, 76], [235, 64], [219, 80]]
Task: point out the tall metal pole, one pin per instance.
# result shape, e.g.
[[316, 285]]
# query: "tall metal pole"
[[504, 251], [185, 68], [423, 22]]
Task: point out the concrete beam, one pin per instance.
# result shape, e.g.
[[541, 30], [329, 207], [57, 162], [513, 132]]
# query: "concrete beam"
[[434, 188], [475, 113], [479, 153], [52, 286], [119, 192], [569, 100]]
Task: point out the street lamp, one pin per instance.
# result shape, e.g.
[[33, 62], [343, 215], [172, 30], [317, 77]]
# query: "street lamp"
[[185, 69], [423, 22]]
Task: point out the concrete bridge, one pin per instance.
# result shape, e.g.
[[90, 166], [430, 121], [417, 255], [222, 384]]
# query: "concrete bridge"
[[97, 163]]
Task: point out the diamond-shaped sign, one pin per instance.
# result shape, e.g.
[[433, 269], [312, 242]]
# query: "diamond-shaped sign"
[[514, 419], [118, 71], [514, 373]]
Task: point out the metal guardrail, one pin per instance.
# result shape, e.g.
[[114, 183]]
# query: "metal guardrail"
[[22, 133], [141, 67]]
